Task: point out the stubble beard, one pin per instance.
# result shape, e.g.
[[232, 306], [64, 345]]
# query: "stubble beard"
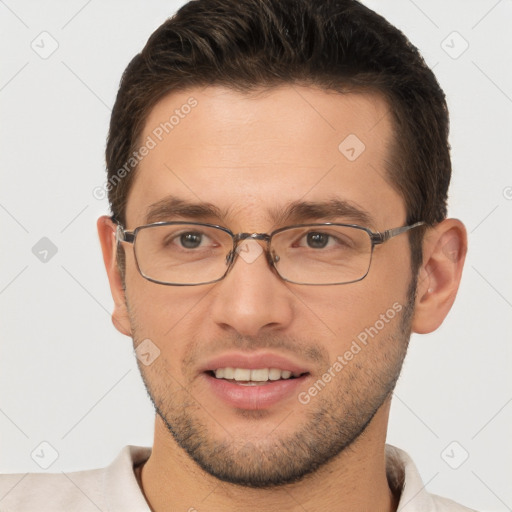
[[333, 420]]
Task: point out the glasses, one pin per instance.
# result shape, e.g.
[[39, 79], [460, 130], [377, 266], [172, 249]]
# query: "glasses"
[[193, 253]]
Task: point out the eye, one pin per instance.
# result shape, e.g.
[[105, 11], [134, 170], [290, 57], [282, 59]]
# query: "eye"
[[317, 240], [330, 240], [186, 240], [191, 240]]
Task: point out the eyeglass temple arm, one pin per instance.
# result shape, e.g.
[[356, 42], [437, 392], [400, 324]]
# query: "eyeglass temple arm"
[[380, 238], [122, 235]]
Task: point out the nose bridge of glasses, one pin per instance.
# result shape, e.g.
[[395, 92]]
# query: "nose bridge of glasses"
[[241, 237], [253, 236]]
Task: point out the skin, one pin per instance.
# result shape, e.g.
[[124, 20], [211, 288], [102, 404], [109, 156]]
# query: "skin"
[[249, 154]]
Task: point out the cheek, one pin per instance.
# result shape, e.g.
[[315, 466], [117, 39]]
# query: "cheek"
[[341, 312], [366, 313], [163, 313]]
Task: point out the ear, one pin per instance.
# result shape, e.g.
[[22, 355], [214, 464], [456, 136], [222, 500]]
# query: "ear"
[[107, 234], [444, 252]]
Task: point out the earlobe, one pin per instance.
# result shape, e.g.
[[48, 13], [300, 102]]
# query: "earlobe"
[[444, 252], [107, 235]]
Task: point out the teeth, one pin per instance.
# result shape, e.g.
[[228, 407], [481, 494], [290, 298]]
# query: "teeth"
[[229, 373], [274, 374], [242, 374], [260, 375], [256, 375]]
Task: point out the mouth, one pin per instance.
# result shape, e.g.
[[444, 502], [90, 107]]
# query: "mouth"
[[254, 377], [254, 381]]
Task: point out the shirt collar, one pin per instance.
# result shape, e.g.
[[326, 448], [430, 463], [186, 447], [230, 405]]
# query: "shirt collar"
[[122, 491]]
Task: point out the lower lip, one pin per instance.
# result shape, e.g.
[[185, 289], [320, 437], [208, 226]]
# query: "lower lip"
[[252, 397]]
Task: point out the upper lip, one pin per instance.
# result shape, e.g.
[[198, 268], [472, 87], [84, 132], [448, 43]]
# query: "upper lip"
[[253, 361]]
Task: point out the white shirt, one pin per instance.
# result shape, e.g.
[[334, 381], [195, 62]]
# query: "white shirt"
[[115, 488]]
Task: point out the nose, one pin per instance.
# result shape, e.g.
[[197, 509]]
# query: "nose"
[[252, 298]]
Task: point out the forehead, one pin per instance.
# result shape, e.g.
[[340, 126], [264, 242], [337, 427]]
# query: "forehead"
[[248, 154]]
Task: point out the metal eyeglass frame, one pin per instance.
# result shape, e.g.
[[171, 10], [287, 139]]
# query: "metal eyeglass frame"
[[376, 238]]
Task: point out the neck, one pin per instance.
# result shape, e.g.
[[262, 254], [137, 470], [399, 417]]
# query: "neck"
[[354, 480]]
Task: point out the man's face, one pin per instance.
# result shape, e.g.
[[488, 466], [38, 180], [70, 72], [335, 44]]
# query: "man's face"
[[251, 157]]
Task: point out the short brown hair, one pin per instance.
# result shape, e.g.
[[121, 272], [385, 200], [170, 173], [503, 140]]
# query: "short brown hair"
[[337, 45]]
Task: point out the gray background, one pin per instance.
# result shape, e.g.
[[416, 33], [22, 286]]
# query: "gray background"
[[67, 377]]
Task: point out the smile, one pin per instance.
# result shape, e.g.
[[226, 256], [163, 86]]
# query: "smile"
[[252, 377]]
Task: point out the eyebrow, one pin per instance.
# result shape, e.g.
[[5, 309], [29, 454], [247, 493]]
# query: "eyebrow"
[[330, 210], [170, 207], [297, 212]]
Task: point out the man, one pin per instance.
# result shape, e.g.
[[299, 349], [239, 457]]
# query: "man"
[[277, 173]]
